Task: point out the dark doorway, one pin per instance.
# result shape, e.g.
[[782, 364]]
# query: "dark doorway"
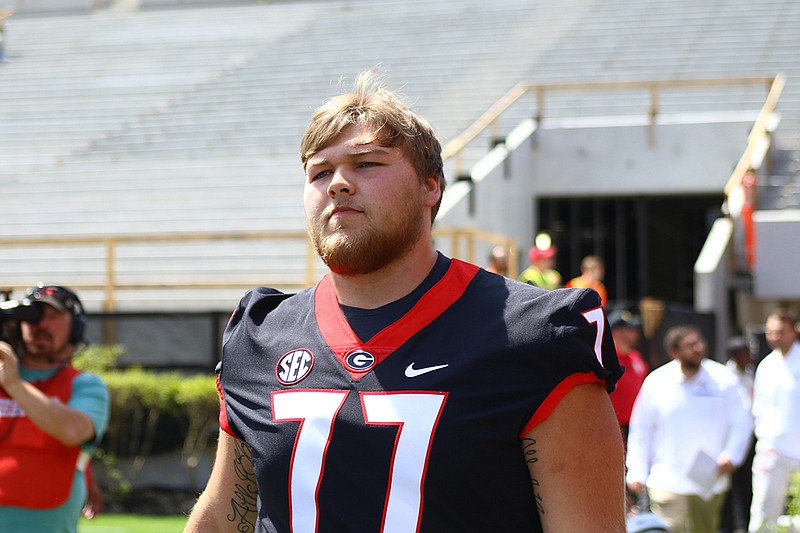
[[649, 244]]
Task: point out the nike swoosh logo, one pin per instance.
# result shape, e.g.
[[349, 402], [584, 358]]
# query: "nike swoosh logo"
[[412, 372]]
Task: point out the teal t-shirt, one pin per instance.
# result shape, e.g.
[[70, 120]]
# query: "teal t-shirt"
[[89, 395]]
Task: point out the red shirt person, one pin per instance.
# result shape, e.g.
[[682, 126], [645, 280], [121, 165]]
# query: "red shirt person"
[[625, 328]]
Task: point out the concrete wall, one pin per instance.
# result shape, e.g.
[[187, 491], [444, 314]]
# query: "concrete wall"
[[610, 157], [500, 198], [777, 254], [711, 275], [636, 159]]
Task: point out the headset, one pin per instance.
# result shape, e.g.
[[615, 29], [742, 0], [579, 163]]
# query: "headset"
[[70, 301]]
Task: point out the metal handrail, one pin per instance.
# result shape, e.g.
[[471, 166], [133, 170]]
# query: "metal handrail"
[[463, 243], [453, 149], [759, 132], [487, 120]]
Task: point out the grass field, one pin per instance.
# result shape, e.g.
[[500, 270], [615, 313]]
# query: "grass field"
[[126, 523]]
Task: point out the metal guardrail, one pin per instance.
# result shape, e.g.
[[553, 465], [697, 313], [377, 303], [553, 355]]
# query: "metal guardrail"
[[759, 134], [112, 243], [5, 13], [462, 243], [655, 88]]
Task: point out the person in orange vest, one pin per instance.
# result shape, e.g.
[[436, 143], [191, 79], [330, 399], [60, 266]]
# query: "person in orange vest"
[[593, 269], [52, 416]]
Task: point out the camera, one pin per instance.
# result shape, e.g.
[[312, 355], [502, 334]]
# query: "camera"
[[12, 312], [20, 311]]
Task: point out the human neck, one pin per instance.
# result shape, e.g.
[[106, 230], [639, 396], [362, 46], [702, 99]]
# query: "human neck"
[[623, 347], [689, 371], [390, 283], [42, 362], [787, 350]]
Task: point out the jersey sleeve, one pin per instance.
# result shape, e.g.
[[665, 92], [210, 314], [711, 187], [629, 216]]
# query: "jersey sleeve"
[[582, 349], [237, 346]]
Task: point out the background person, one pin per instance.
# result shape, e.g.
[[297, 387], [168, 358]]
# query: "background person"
[[736, 510], [435, 395], [593, 270], [690, 428], [776, 410], [541, 271], [498, 261], [626, 332], [51, 419]]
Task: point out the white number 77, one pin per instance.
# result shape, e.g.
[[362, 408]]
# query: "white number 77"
[[415, 414]]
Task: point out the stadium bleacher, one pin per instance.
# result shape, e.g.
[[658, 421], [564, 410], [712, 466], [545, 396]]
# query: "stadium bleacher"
[[171, 117]]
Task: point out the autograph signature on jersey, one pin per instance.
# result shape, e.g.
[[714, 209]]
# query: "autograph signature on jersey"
[[412, 372]]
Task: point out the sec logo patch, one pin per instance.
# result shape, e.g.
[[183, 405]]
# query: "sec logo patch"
[[359, 360], [294, 366]]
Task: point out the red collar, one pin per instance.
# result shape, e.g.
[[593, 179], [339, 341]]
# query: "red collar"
[[341, 338]]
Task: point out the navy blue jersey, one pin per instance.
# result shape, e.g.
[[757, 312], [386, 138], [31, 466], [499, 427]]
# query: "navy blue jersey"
[[418, 428]]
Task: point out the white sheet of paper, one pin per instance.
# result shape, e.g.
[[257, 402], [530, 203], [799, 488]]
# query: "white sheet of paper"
[[704, 471]]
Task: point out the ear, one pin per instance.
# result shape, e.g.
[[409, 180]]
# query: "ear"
[[433, 190]]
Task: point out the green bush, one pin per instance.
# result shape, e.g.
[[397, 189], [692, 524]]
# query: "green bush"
[[142, 402], [793, 506]]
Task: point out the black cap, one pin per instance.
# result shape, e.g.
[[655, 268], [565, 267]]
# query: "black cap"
[[57, 297], [623, 318]]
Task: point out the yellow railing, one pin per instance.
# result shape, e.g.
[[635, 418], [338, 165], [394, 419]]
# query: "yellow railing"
[[759, 134], [112, 243], [489, 119], [462, 243]]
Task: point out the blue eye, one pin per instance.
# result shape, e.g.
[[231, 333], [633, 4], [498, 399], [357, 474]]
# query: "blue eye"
[[320, 174]]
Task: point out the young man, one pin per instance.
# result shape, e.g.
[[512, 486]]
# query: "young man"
[[776, 390], [690, 428], [51, 418], [407, 391]]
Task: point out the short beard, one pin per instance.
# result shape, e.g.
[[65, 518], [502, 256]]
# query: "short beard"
[[371, 249], [691, 366], [47, 352]]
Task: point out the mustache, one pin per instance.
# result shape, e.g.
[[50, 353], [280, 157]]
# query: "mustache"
[[42, 334], [342, 205], [333, 208]]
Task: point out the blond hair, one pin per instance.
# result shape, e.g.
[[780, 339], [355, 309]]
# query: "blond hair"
[[392, 123]]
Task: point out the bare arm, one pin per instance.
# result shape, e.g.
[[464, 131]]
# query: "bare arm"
[[69, 426], [229, 501], [575, 459]]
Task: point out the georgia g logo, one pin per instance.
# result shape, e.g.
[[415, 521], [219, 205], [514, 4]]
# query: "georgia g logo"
[[359, 360], [294, 366]]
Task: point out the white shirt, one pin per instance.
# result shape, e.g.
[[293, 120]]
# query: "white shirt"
[[675, 418], [776, 402], [745, 376]]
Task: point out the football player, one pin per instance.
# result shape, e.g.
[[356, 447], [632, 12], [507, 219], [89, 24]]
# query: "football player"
[[408, 391]]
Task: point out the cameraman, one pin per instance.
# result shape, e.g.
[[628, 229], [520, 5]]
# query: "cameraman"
[[51, 419]]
